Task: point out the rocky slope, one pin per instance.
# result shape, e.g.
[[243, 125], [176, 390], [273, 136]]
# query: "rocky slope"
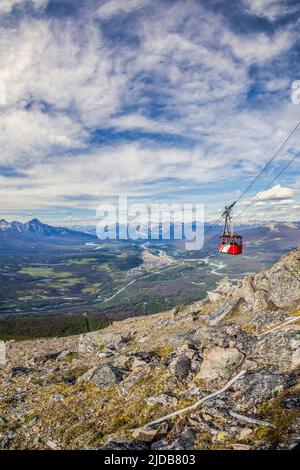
[[100, 390]]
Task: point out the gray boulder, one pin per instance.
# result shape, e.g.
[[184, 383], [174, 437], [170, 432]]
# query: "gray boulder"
[[248, 289], [99, 342], [103, 376], [185, 441], [257, 387], [180, 367], [279, 349], [223, 336], [229, 307], [281, 283], [220, 363], [264, 320], [262, 302], [284, 285]]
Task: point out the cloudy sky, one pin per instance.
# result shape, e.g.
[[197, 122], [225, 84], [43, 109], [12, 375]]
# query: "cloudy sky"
[[162, 100]]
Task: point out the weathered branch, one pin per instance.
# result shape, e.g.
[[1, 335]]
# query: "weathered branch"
[[251, 420], [198, 403], [291, 320]]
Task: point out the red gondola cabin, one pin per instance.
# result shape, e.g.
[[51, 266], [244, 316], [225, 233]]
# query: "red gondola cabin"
[[230, 243]]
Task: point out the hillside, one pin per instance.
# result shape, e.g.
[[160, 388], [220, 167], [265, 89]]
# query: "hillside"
[[99, 390]]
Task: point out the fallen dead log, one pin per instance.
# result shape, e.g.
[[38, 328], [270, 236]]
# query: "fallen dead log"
[[198, 403], [291, 320], [251, 420]]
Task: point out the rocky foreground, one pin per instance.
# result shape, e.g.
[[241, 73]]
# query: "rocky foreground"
[[101, 389]]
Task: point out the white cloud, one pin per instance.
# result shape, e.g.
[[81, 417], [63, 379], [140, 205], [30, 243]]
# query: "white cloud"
[[277, 84], [276, 203], [26, 137], [114, 7], [283, 202], [45, 62], [270, 9], [260, 47], [260, 204], [6, 6], [52, 97], [84, 180], [278, 192]]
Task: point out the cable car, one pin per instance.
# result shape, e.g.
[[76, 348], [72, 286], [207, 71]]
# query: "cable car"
[[230, 242]]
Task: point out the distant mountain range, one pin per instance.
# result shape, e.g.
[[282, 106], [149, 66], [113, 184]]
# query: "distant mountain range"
[[34, 227], [18, 236], [36, 235]]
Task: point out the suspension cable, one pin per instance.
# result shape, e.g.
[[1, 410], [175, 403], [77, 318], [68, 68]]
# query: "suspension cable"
[[269, 185], [276, 154], [214, 225]]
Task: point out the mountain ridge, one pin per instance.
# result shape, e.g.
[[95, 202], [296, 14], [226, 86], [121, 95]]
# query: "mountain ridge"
[[32, 234], [34, 226]]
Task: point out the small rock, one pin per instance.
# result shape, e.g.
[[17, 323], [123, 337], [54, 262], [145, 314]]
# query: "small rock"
[[123, 362], [105, 354], [52, 445], [146, 356], [163, 400], [123, 445], [214, 296], [241, 447], [57, 397], [245, 433], [195, 307], [192, 391], [224, 286], [3, 358], [19, 397], [47, 357], [19, 371], [137, 363], [250, 365], [128, 382], [64, 355], [143, 339], [291, 401], [144, 435]]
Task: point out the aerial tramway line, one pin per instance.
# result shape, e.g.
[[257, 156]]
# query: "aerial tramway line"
[[230, 242]]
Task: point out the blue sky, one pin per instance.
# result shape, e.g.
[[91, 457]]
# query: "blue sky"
[[162, 100]]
